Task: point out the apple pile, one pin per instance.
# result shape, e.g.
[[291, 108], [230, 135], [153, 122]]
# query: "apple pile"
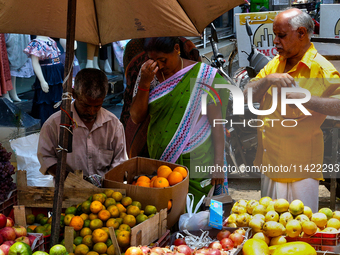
[[10, 234]]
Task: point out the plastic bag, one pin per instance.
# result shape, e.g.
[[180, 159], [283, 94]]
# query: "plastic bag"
[[25, 149], [193, 220]]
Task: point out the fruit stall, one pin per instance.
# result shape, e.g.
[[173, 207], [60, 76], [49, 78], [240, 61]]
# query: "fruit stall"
[[137, 212]]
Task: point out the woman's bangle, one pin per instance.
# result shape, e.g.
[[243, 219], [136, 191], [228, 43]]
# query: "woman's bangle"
[[143, 89]]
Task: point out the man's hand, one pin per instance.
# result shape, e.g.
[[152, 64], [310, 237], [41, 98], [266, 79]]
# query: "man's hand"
[[216, 181], [280, 80], [52, 170]]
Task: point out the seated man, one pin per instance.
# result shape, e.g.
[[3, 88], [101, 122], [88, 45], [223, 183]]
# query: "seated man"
[[98, 136]]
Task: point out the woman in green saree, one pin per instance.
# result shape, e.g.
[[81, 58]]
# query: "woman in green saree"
[[170, 89]]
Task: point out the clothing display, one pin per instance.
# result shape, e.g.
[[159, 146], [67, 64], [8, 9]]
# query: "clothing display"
[[53, 72], [76, 66], [95, 151], [5, 75], [177, 132], [20, 64]]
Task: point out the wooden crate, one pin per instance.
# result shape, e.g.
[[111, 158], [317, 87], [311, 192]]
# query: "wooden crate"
[[7, 205], [76, 190]]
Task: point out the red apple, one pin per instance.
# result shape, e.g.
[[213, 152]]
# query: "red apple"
[[215, 245], [5, 248], [20, 231], [1, 252], [1, 239], [23, 239], [31, 238], [10, 222], [145, 249], [179, 241], [3, 220], [227, 244], [8, 233], [236, 238], [158, 250], [223, 234]]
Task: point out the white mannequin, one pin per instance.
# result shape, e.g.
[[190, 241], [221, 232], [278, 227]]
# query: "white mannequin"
[[13, 92], [92, 56], [63, 44], [37, 67]]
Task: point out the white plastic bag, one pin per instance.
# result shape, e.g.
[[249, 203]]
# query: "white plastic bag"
[[25, 149], [193, 220]]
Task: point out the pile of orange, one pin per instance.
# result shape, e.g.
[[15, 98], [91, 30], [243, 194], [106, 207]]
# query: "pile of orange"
[[165, 177], [92, 218]]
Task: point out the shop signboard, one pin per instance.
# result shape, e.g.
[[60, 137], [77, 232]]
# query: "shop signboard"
[[330, 20], [261, 24]]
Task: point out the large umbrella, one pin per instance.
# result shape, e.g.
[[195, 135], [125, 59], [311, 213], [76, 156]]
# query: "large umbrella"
[[101, 22], [106, 21]]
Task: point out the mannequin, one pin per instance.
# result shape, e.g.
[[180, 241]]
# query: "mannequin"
[[20, 64], [92, 58], [76, 67], [5, 75], [49, 73]]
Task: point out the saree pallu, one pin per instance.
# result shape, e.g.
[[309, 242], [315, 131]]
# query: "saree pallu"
[[177, 132]]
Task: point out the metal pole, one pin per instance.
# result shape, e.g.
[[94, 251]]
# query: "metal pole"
[[334, 162], [65, 120]]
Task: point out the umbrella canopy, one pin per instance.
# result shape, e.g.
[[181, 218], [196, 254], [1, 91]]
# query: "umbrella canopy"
[[106, 21]]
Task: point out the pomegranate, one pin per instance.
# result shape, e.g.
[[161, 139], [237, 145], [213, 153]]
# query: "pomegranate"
[[179, 241], [215, 245], [214, 252], [183, 249], [240, 231], [236, 238], [145, 249], [227, 244], [158, 250], [134, 251], [223, 234]]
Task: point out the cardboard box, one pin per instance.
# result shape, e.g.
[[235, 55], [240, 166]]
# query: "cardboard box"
[[216, 214], [158, 197]]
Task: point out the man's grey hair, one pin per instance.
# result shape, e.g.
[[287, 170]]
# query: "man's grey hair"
[[91, 82], [302, 19]]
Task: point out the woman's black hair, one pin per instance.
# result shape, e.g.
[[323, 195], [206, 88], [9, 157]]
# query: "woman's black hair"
[[160, 44]]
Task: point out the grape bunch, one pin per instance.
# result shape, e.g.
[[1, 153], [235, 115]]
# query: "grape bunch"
[[6, 172]]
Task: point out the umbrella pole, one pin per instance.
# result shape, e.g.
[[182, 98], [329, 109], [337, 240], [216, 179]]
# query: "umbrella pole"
[[65, 120]]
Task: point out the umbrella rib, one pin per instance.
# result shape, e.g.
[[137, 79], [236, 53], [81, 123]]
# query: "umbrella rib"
[[95, 12], [188, 17]]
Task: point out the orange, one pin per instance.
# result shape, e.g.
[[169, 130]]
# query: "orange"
[[110, 250], [84, 216], [174, 178], [85, 207], [126, 201], [124, 227], [143, 184], [93, 216], [181, 170], [134, 251], [99, 235], [85, 232], [117, 196], [104, 215], [30, 219], [123, 238], [87, 240], [100, 247], [133, 210], [121, 208], [77, 223], [114, 212], [81, 249], [68, 219], [32, 227], [109, 201], [106, 229], [91, 253], [137, 203], [96, 206], [163, 171], [129, 220], [143, 178], [108, 192], [160, 182], [95, 224], [112, 223], [152, 180], [169, 205], [99, 197], [122, 215], [77, 240]]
